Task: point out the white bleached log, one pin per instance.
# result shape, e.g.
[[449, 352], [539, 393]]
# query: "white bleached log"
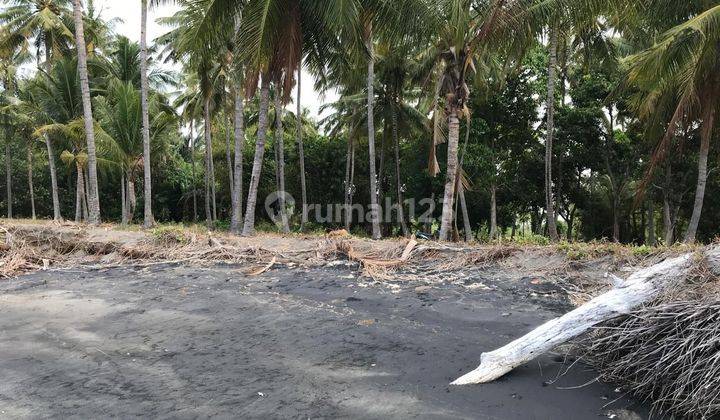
[[639, 288]]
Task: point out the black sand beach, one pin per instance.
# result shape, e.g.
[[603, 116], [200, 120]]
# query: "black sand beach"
[[177, 342]]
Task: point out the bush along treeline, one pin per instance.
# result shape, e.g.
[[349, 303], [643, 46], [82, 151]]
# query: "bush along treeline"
[[462, 119]]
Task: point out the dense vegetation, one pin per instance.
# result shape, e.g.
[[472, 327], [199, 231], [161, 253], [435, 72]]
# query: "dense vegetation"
[[521, 118]]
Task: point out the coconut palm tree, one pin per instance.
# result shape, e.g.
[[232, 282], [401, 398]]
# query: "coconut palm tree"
[[200, 30], [9, 138], [121, 61], [148, 220], [76, 157], [464, 32], [24, 119], [301, 151], [93, 191], [396, 94], [120, 116], [685, 63], [56, 95], [190, 101], [45, 22], [389, 20], [550, 127], [9, 118], [277, 38], [393, 104], [120, 119]]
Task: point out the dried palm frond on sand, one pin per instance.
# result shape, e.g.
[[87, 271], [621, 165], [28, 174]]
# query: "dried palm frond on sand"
[[667, 354]]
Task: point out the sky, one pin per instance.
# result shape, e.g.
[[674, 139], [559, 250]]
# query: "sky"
[[129, 12]]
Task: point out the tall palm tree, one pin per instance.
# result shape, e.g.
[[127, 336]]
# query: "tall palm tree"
[[45, 22], [93, 191], [374, 207], [383, 18], [550, 111], [249, 223], [393, 104], [120, 116], [56, 95], [684, 62], [148, 220], [24, 121], [9, 138], [466, 30], [395, 99], [190, 102], [200, 30], [301, 151], [121, 120], [275, 38], [279, 146], [347, 121], [10, 119], [129, 62]]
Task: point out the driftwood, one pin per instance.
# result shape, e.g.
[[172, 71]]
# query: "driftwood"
[[641, 287]]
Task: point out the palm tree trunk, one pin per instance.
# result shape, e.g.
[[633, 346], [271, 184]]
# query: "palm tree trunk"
[[149, 220], [461, 189], [194, 171], [493, 212], [451, 176], [351, 193], [8, 173], [249, 223], [79, 191], [209, 220], [238, 172], [381, 168], [81, 210], [348, 182], [123, 200], [374, 208], [466, 217], [651, 240], [550, 210], [280, 144], [84, 196], [228, 158], [706, 136], [57, 216], [131, 196], [668, 224], [31, 185], [94, 205], [400, 201], [301, 153], [277, 173], [212, 186], [616, 216]]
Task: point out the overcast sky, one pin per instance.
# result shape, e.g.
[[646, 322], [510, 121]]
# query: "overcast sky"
[[129, 12]]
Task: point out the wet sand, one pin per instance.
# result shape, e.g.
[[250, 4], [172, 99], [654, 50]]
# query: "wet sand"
[[181, 342]]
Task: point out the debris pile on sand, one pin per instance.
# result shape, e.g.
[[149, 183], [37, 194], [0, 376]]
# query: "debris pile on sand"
[[428, 258], [667, 353], [30, 247]]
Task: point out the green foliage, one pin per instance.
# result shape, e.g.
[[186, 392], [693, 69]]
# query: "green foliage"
[[171, 235], [634, 98]]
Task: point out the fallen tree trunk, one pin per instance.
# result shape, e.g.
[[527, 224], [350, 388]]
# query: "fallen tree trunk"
[[639, 288]]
